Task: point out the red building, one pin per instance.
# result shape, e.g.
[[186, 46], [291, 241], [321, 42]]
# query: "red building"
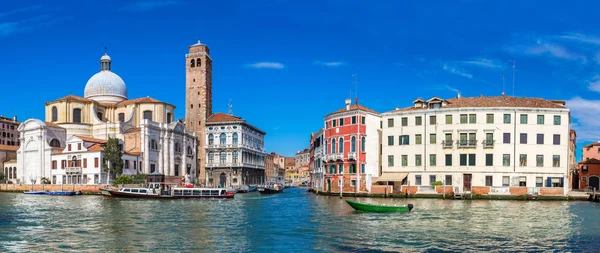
[[351, 148], [589, 174]]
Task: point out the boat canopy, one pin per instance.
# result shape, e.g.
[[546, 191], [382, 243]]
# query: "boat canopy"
[[392, 176]]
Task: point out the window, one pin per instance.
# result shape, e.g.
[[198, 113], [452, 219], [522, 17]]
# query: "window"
[[404, 160], [403, 140], [391, 122], [539, 182], [405, 121], [362, 168], [506, 118], [352, 168], [418, 139], [390, 160], [189, 150], [96, 162], [489, 159], [523, 119], [54, 164], [198, 62], [489, 139], [235, 157], [235, 138], [522, 160], [77, 115], [505, 181], [341, 145], [211, 157], [417, 160], [341, 121], [432, 179], [333, 122], [556, 161], [506, 160], [78, 146], [169, 120], [353, 119], [222, 157], [69, 147], [523, 139], [540, 119], [363, 120], [463, 160], [211, 139], [192, 63], [390, 140], [152, 168], [148, 115], [99, 115], [353, 144], [557, 120], [353, 182], [333, 145], [418, 121], [192, 106], [54, 114], [448, 180], [121, 117], [556, 139], [539, 160], [432, 120], [506, 138], [489, 118], [362, 144], [472, 118], [463, 119], [540, 139], [432, 160], [417, 179], [488, 180], [54, 143], [432, 139], [448, 160], [222, 139], [341, 168], [448, 140], [449, 119]]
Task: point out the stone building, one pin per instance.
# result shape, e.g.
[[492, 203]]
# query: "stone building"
[[8, 156], [9, 134], [316, 166], [589, 174], [235, 152], [198, 98]]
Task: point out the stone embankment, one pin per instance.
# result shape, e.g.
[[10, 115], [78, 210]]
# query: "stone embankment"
[[86, 189]]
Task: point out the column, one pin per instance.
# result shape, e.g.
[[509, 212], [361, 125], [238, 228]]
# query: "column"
[[183, 165], [146, 146], [161, 149], [171, 156]]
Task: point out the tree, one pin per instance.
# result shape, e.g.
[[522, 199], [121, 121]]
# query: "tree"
[[113, 157], [45, 180], [2, 176]]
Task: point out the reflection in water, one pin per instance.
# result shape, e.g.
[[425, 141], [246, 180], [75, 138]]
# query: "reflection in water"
[[294, 221]]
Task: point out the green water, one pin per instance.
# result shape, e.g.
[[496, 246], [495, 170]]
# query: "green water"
[[294, 221]]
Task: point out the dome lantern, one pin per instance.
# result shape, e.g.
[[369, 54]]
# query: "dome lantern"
[[106, 86]]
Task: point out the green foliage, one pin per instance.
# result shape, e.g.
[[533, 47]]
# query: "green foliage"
[[139, 177], [45, 180], [2, 176], [123, 180], [437, 183], [113, 157]]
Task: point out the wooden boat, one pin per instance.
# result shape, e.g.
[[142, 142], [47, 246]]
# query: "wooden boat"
[[270, 188], [380, 208], [35, 192], [156, 191]]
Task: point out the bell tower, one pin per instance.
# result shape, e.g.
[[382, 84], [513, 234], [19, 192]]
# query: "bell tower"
[[198, 99]]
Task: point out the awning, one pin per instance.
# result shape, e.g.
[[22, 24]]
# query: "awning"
[[392, 177]]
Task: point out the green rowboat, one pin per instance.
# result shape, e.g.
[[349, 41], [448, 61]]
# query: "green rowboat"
[[380, 208]]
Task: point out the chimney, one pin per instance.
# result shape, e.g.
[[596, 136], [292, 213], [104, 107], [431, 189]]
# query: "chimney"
[[397, 108], [503, 93], [458, 95], [348, 101], [15, 118], [480, 95]]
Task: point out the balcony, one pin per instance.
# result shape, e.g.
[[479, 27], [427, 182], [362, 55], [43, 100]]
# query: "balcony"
[[338, 156], [467, 143], [351, 155], [488, 143], [73, 170], [223, 165], [447, 144]]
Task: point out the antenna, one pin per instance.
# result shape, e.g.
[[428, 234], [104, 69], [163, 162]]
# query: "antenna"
[[503, 86], [356, 83], [230, 111], [514, 68], [105, 49]]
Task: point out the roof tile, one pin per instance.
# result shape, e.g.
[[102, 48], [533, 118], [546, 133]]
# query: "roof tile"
[[90, 139], [222, 117]]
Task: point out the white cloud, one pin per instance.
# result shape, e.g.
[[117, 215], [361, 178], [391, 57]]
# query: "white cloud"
[[30, 24], [484, 63], [582, 38], [545, 48], [149, 5], [594, 85], [456, 71], [330, 64], [585, 112], [453, 89], [266, 65]]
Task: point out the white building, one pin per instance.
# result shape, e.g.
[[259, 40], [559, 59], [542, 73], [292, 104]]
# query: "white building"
[[152, 141], [235, 152], [508, 144], [317, 169]]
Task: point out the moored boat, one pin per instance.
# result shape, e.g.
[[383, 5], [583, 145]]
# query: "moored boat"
[[380, 208], [252, 188], [270, 187], [35, 192], [156, 191], [62, 193]]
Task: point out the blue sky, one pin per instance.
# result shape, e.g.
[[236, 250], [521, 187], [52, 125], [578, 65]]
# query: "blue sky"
[[285, 64]]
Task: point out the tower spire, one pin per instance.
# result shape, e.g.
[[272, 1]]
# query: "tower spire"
[[230, 110], [105, 60]]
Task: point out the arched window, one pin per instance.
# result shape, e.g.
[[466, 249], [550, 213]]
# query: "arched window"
[[55, 143], [189, 150], [353, 144], [211, 139], [148, 115], [235, 138], [211, 157], [223, 157], [235, 156], [222, 139], [9, 174], [333, 146], [121, 117], [362, 144], [326, 149], [198, 62], [74, 161], [14, 172], [54, 114], [192, 64], [76, 115], [341, 146]]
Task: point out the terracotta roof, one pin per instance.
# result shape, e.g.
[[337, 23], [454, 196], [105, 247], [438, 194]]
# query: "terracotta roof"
[[590, 161], [89, 139], [138, 100], [222, 117], [352, 108], [592, 145], [9, 148], [96, 147], [132, 153], [11, 161], [132, 130], [73, 98], [495, 101], [52, 124]]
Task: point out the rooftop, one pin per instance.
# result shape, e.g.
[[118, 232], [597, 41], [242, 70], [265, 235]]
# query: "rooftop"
[[491, 101], [8, 147], [354, 107], [222, 117], [89, 139], [590, 161]]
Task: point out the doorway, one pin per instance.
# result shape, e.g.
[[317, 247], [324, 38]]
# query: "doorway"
[[594, 181], [467, 182], [222, 180], [328, 185]]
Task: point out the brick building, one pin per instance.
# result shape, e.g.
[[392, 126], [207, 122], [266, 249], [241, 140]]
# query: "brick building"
[[591, 150], [589, 174], [9, 134]]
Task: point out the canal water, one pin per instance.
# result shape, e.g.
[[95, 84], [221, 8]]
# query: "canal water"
[[294, 221]]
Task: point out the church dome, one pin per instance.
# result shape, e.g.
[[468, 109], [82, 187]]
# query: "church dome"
[[105, 86]]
